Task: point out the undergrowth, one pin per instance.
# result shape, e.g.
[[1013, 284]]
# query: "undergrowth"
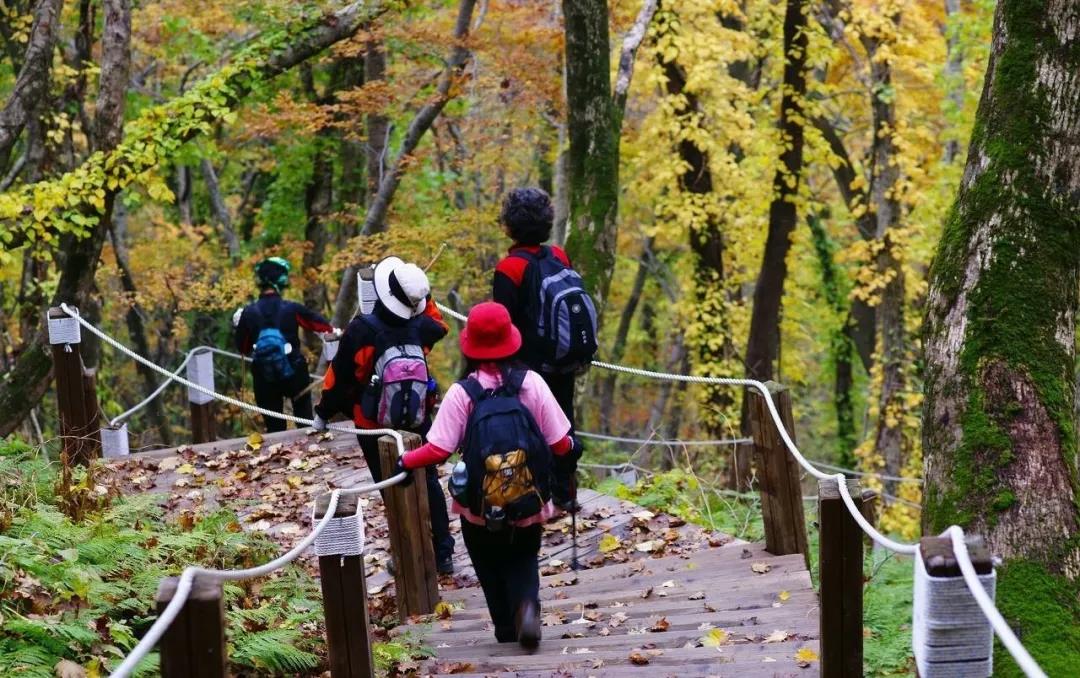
[[84, 591]]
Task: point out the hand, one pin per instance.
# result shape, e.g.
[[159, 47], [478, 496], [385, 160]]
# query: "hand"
[[399, 467], [236, 316], [319, 424]]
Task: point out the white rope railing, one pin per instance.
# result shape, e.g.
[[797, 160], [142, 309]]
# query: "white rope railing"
[[1008, 638], [168, 615], [663, 441], [956, 534]]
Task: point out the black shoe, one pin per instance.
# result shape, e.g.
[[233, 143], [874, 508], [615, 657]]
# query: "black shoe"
[[445, 566], [528, 625]]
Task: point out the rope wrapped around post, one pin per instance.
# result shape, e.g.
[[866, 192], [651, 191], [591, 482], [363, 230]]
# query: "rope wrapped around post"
[[340, 548]]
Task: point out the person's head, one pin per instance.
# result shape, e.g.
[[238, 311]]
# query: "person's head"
[[272, 273], [401, 288], [489, 336], [527, 216]]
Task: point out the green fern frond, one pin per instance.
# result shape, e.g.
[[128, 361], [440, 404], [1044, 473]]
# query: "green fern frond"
[[273, 650]]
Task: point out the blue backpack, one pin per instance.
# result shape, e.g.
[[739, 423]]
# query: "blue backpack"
[[559, 315], [507, 461], [269, 356]]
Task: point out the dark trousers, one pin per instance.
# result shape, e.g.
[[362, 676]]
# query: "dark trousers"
[[272, 395], [562, 387], [508, 569], [441, 538]]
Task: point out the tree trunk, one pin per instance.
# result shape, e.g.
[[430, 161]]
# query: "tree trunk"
[[375, 220], [378, 124], [220, 209], [318, 202], [135, 324], [892, 334], [841, 346], [593, 154], [1000, 432], [32, 82], [764, 341]]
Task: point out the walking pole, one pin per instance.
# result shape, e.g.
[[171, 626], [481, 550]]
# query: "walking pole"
[[574, 564]]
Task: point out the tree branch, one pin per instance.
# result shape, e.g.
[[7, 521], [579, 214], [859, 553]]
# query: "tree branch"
[[33, 80], [634, 37]]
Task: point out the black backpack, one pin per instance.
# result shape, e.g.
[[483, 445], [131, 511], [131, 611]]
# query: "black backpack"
[[559, 317], [268, 356], [507, 460]]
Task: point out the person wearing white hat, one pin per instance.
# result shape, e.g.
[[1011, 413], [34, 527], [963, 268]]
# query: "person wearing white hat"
[[379, 377]]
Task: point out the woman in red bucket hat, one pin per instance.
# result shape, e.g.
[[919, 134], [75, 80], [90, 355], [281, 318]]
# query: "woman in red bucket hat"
[[511, 433]]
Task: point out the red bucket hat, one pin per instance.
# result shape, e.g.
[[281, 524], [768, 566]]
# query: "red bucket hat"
[[489, 334]]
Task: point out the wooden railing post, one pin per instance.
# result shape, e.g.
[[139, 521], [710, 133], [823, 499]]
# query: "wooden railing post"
[[194, 644], [840, 562], [200, 369], [409, 519], [348, 630], [778, 475], [76, 394], [949, 633]]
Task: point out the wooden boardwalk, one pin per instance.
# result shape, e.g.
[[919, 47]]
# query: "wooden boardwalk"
[[660, 597]]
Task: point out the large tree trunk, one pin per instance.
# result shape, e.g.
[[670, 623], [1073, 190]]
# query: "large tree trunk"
[[1000, 431], [763, 344], [593, 154], [23, 386]]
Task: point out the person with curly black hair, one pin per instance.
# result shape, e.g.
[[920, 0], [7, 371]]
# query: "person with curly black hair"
[[522, 283]]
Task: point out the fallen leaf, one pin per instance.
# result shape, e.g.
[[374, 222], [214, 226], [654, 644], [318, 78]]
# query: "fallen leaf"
[[649, 546], [644, 516], [804, 656], [454, 667], [254, 441], [617, 619], [582, 650], [185, 469], [783, 596], [608, 543], [669, 584], [646, 593], [760, 568], [662, 625], [697, 595], [714, 638], [443, 610], [777, 636], [66, 668], [168, 463], [639, 658]]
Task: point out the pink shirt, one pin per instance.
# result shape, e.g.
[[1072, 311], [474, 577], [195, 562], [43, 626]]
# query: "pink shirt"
[[448, 429]]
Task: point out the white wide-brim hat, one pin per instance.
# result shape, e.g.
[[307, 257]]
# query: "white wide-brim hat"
[[402, 288]]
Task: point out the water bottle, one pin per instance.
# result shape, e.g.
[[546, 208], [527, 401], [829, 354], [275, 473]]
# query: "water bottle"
[[459, 481]]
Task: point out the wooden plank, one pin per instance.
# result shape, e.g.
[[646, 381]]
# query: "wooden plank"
[[723, 659], [194, 644], [840, 546], [781, 490]]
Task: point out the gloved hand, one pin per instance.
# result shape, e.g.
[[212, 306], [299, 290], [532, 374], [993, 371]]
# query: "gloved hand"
[[399, 467], [319, 424], [236, 316]]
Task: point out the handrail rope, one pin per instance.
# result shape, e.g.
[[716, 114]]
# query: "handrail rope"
[[1001, 627], [121, 418], [662, 441], [959, 548], [187, 577]]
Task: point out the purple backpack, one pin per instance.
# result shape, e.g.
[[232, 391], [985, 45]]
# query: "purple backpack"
[[397, 395]]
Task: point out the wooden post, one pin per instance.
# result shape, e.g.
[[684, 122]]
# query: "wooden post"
[[840, 562], [409, 519], [348, 630], [200, 369], [76, 396], [194, 644], [778, 475], [950, 635]]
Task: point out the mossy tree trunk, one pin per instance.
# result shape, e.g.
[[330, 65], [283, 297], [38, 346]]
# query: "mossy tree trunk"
[[1000, 430], [593, 156]]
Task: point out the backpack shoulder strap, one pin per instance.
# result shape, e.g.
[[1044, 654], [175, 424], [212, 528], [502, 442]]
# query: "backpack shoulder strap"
[[512, 381], [473, 389]]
